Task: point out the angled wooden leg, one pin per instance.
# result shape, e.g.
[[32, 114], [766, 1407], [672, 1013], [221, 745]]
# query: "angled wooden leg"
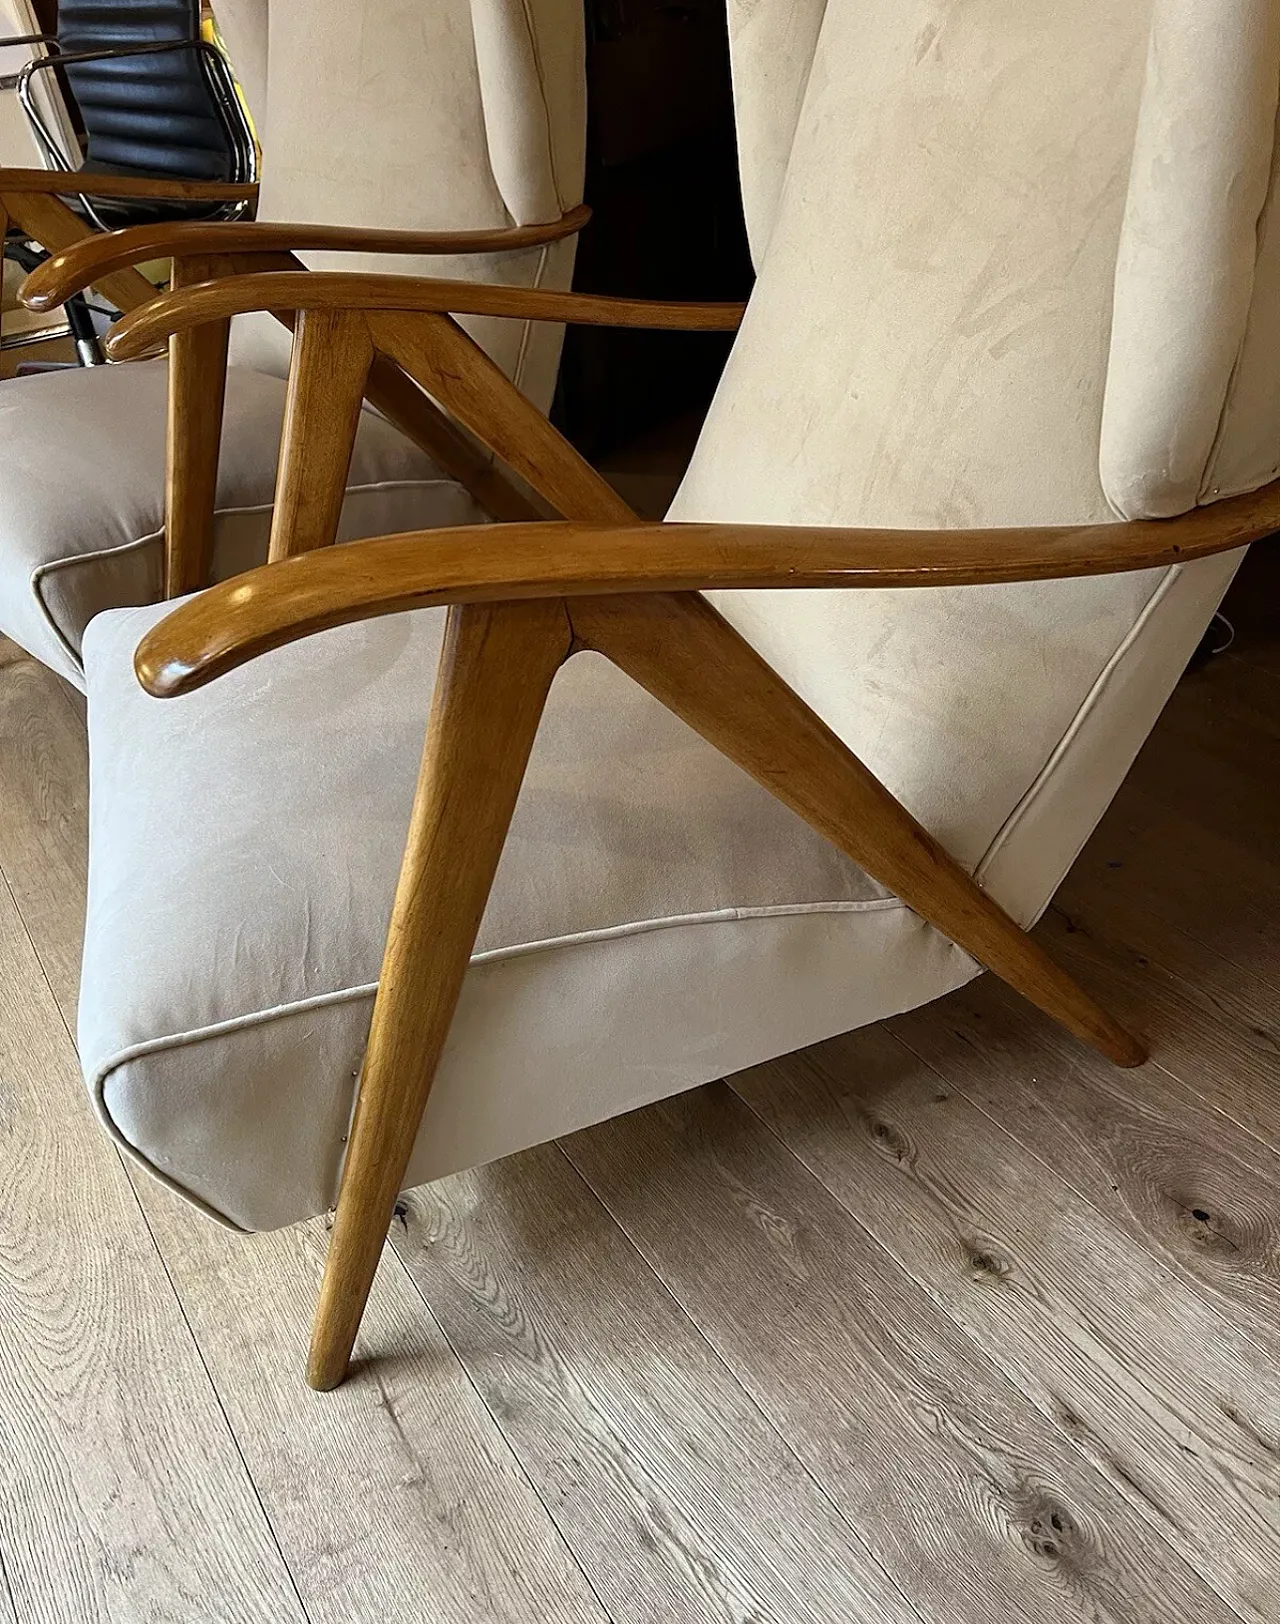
[[496, 668], [197, 394], [449, 363], [332, 354], [686, 655]]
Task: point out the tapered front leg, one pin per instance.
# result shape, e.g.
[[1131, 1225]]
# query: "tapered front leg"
[[496, 669]]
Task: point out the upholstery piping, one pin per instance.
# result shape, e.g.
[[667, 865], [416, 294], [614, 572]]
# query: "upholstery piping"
[[156, 538], [349, 995], [1087, 706]]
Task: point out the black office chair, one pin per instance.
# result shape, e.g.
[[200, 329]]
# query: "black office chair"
[[157, 103]]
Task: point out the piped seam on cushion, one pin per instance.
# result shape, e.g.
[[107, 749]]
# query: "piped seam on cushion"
[[539, 73], [1207, 495], [517, 372], [1087, 706], [101, 1078], [496, 955], [54, 565]]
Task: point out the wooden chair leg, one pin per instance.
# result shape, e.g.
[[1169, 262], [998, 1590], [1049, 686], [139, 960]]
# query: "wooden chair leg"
[[496, 668], [332, 354], [686, 655], [197, 396]]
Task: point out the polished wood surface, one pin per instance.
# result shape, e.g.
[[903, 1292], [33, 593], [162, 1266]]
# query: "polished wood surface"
[[678, 648], [78, 183], [449, 363], [343, 290], [656, 1396], [332, 354], [486, 563], [418, 417], [197, 395], [47, 220], [496, 668], [83, 264]]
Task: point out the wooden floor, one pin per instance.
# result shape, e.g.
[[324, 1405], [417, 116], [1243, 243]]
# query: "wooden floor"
[[943, 1321]]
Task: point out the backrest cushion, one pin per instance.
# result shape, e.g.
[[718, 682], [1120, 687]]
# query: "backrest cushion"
[[1192, 408], [928, 344], [460, 114], [771, 46]]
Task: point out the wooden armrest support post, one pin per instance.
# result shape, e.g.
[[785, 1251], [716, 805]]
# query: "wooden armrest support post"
[[83, 264]]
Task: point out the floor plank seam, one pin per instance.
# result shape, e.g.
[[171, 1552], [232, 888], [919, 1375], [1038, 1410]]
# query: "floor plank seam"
[[766, 1421], [1136, 1500], [1072, 903], [6, 1589], [130, 1175], [1168, 1262], [499, 1428]]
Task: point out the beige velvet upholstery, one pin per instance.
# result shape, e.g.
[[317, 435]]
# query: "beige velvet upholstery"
[[452, 115], [67, 557], [931, 342], [458, 114], [771, 48]]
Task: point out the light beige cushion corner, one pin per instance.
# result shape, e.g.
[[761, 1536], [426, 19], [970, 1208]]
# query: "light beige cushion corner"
[[82, 494]]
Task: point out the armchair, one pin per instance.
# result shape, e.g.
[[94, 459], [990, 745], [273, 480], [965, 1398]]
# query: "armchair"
[[695, 794], [469, 159]]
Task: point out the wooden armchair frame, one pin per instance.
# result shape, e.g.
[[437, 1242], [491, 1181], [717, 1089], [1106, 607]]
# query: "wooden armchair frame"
[[32, 200], [198, 352], [522, 600]]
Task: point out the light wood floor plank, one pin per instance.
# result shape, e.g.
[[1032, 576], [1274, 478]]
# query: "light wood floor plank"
[[44, 811], [395, 1498], [1209, 1021], [8, 1615], [443, 1525], [1091, 1326], [1189, 1185], [122, 1495], [675, 1494], [977, 1505], [1219, 891]]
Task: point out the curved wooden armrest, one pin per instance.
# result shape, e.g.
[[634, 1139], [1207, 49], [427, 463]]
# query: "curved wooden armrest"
[[78, 183], [79, 266], [143, 329], [280, 603]]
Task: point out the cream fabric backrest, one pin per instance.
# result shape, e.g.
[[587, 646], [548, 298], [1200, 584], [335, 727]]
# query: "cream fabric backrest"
[[771, 46], [931, 343], [454, 114]]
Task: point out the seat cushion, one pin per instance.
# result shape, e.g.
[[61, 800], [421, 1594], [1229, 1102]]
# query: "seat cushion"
[[82, 494], [658, 920]]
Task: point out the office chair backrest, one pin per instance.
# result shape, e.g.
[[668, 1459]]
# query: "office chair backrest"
[[156, 114]]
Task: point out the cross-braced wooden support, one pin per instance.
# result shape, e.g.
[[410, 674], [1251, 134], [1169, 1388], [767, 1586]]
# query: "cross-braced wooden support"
[[522, 604]]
